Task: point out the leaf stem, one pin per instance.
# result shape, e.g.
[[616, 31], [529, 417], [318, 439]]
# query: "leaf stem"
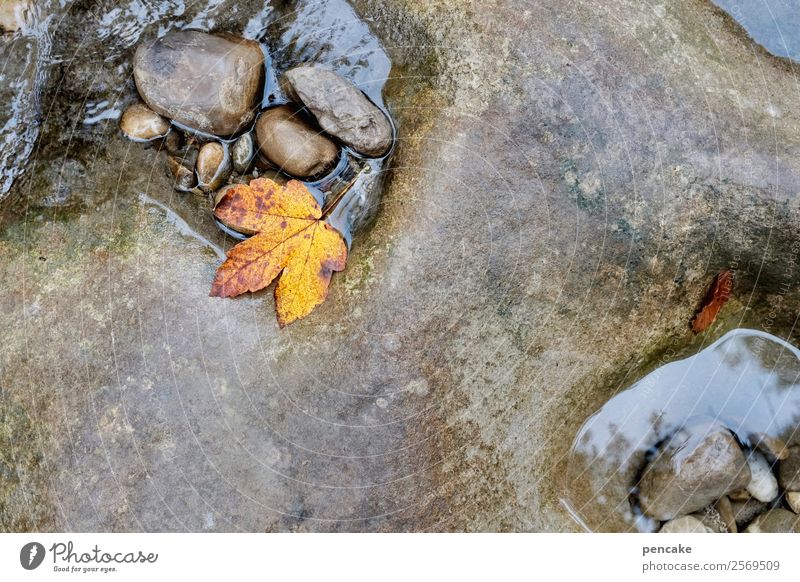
[[331, 205]]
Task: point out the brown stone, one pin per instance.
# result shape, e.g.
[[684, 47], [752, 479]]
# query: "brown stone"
[[140, 123], [287, 140], [686, 524], [793, 500], [12, 14], [183, 176], [210, 83], [213, 166], [773, 447]]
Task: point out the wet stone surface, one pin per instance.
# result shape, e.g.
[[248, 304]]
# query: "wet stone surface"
[[291, 143], [210, 83], [775, 521], [340, 108], [698, 465], [554, 211]]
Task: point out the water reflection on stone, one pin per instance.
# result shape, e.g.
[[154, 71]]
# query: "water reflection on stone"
[[748, 381]]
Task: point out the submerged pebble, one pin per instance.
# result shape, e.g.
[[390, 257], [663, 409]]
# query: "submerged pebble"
[[340, 108], [184, 178], [242, 153], [140, 123], [789, 470], [206, 82], [213, 166], [698, 465], [615, 445], [776, 520], [292, 144], [174, 142], [763, 484]]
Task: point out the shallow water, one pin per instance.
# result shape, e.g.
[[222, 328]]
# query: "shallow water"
[[748, 380], [774, 24], [327, 32]]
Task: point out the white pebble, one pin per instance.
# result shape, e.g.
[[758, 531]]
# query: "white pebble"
[[763, 484]]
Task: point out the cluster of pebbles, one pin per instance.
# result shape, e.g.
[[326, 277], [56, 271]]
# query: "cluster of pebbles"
[[703, 480], [202, 103]]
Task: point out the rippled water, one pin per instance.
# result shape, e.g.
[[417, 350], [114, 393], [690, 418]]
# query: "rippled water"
[[25, 58], [774, 24], [747, 380]]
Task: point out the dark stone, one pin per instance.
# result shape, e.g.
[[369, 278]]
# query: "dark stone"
[[140, 123], [292, 144]]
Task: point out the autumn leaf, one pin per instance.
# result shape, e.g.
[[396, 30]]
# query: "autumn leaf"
[[718, 294], [292, 241]]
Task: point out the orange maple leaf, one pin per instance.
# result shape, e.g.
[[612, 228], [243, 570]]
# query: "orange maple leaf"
[[292, 241], [718, 294]]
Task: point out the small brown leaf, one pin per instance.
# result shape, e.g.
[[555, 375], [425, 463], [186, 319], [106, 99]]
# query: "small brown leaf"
[[718, 294]]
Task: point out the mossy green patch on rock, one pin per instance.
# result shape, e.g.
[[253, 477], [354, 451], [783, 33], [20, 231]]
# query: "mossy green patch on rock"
[[23, 502]]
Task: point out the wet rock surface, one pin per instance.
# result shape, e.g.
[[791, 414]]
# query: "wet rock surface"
[[607, 165], [242, 153], [340, 108], [185, 178], [789, 470], [618, 442], [210, 83], [696, 467], [12, 14], [775, 521], [292, 144], [213, 166]]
